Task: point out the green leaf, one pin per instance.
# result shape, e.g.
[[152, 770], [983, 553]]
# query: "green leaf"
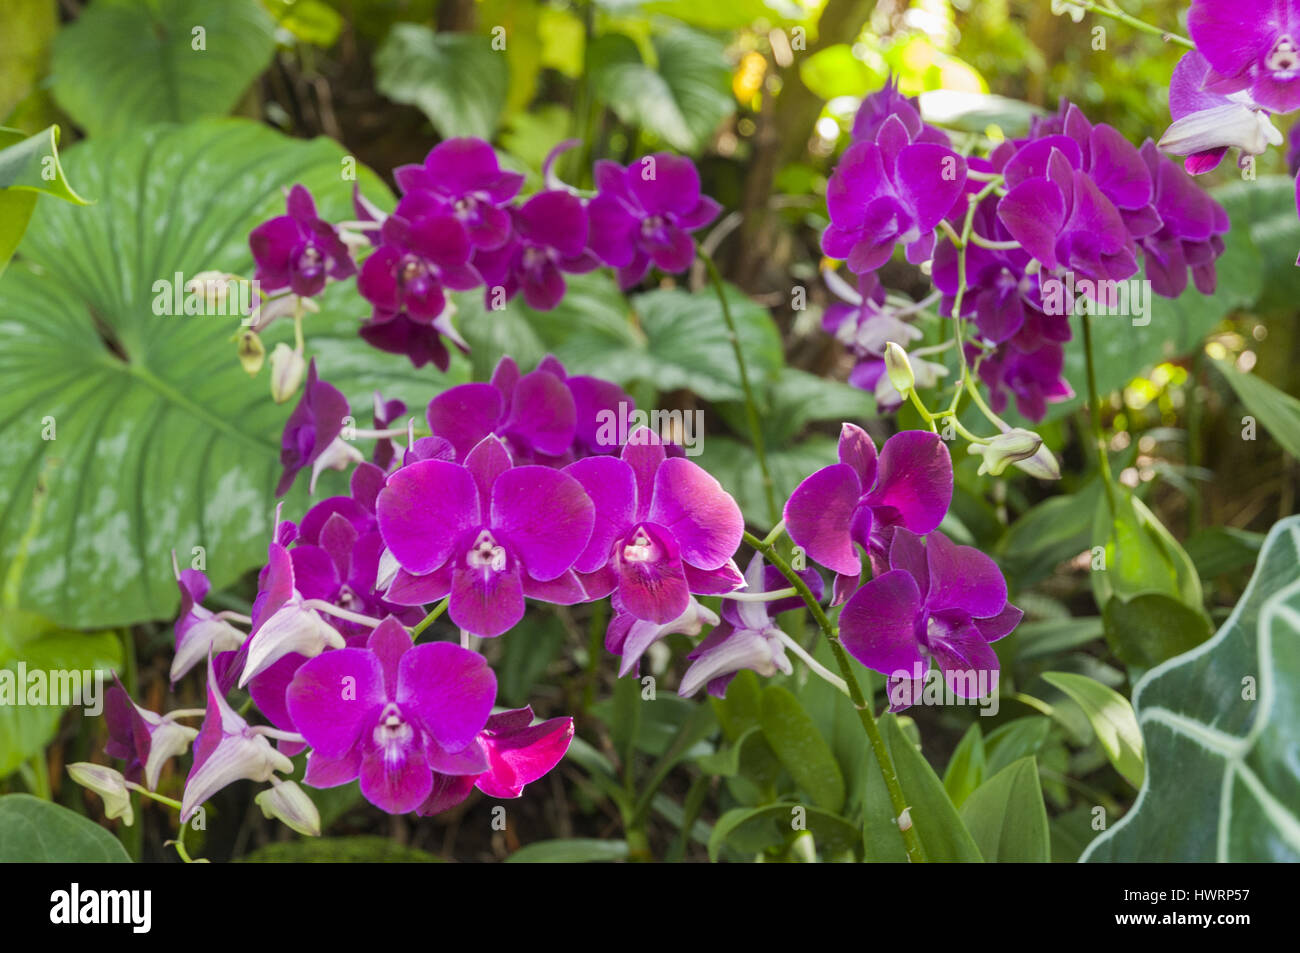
[[457, 80], [161, 441], [1279, 412], [339, 850], [527, 658], [309, 21], [1221, 549], [1221, 725], [158, 61], [943, 835], [1152, 627], [1015, 740], [1007, 818], [1141, 555], [1111, 717], [681, 99], [834, 71], [725, 762], [797, 398], [1053, 636], [801, 748], [574, 850], [753, 829], [42, 646], [29, 166], [1266, 208], [33, 831], [965, 771], [1055, 530]]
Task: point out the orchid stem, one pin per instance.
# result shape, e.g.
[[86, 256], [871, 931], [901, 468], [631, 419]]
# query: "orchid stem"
[[911, 842], [773, 536], [751, 406], [432, 617], [160, 798], [1094, 408], [1135, 23]]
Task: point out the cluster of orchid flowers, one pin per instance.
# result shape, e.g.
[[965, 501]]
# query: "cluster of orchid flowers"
[[1072, 197], [460, 225], [512, 494]]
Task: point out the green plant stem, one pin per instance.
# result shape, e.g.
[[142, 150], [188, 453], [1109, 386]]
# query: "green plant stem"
[[1117, 14], [428, 620], [1094, 407], [751, 406], [911, 842]]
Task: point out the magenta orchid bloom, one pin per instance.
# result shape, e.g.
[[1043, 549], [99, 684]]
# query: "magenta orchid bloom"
[[299, 250], [550, 239], [861, 501], [142, 738], [199, 631], [312, 430], [937, 601], [486, 533], [664, 529], [644, 214], [1250, 45], [392, 714], [465, 177]]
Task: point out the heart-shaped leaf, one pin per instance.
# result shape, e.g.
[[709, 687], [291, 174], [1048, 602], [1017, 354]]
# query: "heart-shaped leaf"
[[141, 427], [158, 61], [1221, 725], [33, 831]]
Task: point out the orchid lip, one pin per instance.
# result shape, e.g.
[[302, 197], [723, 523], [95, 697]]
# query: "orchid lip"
[[486, 555], [1284, 58], [640, 548]]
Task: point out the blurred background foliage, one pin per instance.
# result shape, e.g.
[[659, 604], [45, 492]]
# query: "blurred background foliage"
[[762, 93]]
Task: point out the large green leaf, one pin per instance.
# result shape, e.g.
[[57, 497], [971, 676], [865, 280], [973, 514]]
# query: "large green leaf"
[[1112, 719], [162, 442], [681, 99], [41, 646], [801, 748], [573, 850], [1221, 725], [943, 835], [753, 829], [1277, 411], [33, 831], [457, 80], [126, 63], [1266, 206], [1006, 815], [965, 771]]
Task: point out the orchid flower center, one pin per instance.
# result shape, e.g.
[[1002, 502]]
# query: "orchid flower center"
[[535, 256], [412, 269], [310, 259], [348, 599], [1284, 57], [392, 734], [486, 553], [641, 548], [653, 228]]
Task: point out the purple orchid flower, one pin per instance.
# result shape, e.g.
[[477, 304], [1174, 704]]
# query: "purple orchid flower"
[[486, 533], [629, 637], [415, 260], [386, 412], [465, 176], [420, 341], [1250, 45], [644, 214], [1190, 234], [864, 324], [141, 738], [890, 190], [227, 749], [664, 529], [311, 433], [863, 500], [1076, 199], [888, 101], [1207, 124], [199, 631], [1033, 372], [535, 413], [518, 754], [549, 239], [392, 714], [747, 637], [299, 251], [937, 601]]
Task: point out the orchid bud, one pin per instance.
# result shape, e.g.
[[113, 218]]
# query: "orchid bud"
[[287, 369], [108, 784], [1231, 124], [252, 353], [289, 804], [211, 286], [1042, 464], [899, 369], [1006, 448]]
